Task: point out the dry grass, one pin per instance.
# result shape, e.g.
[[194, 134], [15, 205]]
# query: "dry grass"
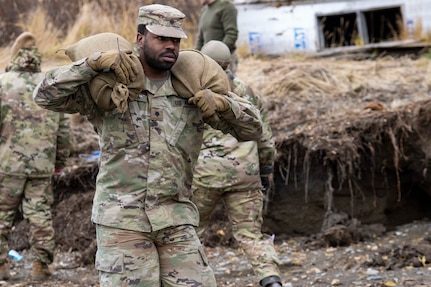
[[56, 35], [301, 93]]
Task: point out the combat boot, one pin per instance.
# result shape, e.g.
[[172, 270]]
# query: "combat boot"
[[4, 272], [271, 281], [40, 271]]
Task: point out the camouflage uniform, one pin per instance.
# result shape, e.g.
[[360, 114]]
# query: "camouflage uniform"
[[142, 205], [33, 143], [229, 170]]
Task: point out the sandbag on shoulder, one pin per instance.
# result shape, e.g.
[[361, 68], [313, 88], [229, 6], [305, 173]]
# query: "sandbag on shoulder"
[[97, 43], [194, 71], [104, 89]]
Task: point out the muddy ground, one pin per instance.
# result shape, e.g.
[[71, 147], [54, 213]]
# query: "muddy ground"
[[395, 258], [350, 204]]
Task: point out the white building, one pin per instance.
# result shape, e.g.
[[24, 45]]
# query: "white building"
[[277, 27]]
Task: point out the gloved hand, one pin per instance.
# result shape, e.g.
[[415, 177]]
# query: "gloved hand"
[[210, 103], [117, 60]]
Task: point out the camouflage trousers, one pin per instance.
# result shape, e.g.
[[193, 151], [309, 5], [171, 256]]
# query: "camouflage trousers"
[[168, 257], [244, 209], [35, 197]]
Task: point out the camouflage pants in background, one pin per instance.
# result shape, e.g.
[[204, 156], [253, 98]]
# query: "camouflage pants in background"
[[168, 257], [36, 198], [244, 209]]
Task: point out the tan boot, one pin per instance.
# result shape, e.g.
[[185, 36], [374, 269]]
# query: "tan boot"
[[4, 272], [40, 271]]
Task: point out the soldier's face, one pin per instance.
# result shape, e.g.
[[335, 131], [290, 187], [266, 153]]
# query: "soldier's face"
[[158, 52]]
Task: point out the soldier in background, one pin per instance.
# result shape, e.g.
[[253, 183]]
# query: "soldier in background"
[[34, 145], [143, 211], [235, 173], [218, 21]]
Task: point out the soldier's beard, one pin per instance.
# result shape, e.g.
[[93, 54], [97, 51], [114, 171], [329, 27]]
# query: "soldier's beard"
[[155, 63]]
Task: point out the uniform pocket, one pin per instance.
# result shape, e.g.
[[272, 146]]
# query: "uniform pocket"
[[138, 114], [111, 263], [178, 127]]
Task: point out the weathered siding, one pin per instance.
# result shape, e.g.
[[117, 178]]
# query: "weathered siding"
[[271, 28]]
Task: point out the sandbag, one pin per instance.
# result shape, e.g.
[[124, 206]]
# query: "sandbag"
[[104, 89], [97, 43], [195, 71]]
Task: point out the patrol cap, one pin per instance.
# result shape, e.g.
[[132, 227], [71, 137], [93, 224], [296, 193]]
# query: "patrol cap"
[[217, 50], [162, 20]]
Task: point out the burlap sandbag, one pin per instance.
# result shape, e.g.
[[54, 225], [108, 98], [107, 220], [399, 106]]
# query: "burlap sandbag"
[[110, 94], [97, 43], [195, 71], [106, 92]]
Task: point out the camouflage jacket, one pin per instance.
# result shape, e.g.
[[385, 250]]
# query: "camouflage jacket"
[[231, 165], [147, 153], [33, 141]]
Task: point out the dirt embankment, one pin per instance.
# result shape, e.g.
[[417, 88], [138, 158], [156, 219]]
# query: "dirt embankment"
[[352, 138]]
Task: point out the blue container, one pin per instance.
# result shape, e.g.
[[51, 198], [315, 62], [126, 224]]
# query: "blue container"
[[15, 255]]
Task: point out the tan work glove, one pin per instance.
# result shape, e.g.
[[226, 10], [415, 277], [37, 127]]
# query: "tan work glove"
[[117, 60], [210, 103]]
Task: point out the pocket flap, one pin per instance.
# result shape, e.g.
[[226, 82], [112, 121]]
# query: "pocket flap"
[[112, 263]]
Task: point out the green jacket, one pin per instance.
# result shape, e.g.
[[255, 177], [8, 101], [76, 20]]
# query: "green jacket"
[[218, 21], [33, 141], [147, 153]]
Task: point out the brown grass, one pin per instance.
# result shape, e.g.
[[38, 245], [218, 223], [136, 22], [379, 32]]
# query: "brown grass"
[[58, 24], [302, 93]]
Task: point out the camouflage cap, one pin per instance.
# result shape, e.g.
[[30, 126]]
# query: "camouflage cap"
[[162, 20]]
